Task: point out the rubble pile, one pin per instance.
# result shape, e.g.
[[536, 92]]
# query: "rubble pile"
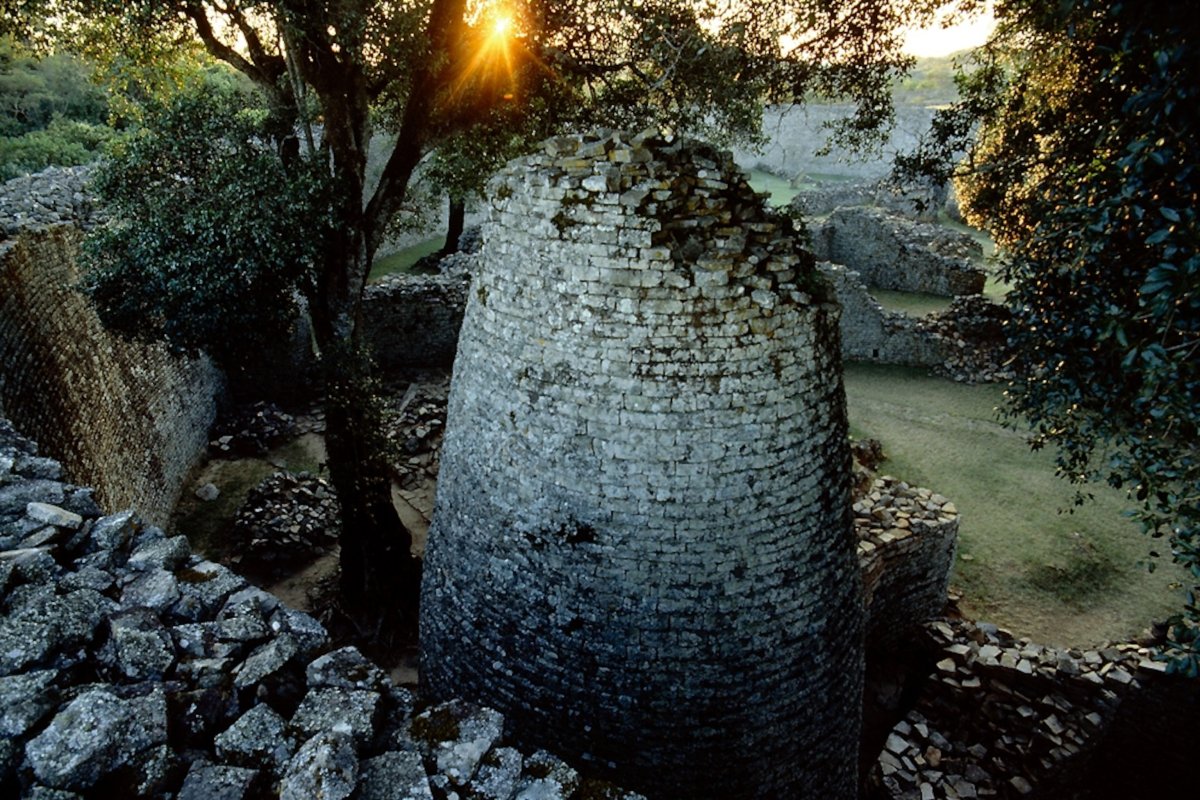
[[1036, 715], [130, 667], [251, 430], [416, 428], [972, 334], [289, 518]]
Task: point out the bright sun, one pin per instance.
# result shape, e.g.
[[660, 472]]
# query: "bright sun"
[[502, 26]]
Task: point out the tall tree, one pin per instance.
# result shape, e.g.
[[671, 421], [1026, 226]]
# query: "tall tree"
[[1083, 146], [435, 69]]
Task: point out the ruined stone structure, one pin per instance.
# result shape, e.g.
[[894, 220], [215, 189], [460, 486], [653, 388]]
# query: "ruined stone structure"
[[892, 252], [872, 333], [413, 320], [129, 419], [641, 549]]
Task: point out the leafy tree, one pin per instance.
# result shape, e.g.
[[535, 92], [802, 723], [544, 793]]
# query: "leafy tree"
[[433, 70], [1085, 169]]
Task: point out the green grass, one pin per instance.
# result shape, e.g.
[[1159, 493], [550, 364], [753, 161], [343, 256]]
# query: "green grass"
[[780, 189], [915, 304], [1025, 562], [401, 261]]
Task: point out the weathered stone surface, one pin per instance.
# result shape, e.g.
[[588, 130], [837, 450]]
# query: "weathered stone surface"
[[258, 738], [347, 711], [393, 776], [165, 554], [25, 700], [346, 668], [93, 735], [139, 647], [547, 777], [497, 775], [268, 658], [650, 445], [53, 515], [325, 767], [155, 589], [218, 782]]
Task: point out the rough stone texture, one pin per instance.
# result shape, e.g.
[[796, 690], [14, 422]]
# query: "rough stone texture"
[[907, 539], [641, 551], [196, 685], [129, 419], [413, 320], [891, 252], [53, 196], [1043, 721], [870, 332]]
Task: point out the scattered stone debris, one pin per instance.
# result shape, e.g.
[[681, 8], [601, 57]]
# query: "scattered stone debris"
[[199, 685], [416, 428], [1037, 715], [973, 339], [251, 430], [289, 518]]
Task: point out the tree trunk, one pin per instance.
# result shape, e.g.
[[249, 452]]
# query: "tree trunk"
[[380, 578], [454, 228]]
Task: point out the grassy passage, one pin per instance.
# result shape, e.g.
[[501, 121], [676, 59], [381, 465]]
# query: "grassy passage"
[[915, 304], [401, 261], [1024, 562]]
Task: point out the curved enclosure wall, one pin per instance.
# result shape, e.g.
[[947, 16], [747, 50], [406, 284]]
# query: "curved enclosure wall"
[[642, 549], [130, 419]]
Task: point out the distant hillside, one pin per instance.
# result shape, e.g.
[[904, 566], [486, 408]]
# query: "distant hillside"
[[931, 83]]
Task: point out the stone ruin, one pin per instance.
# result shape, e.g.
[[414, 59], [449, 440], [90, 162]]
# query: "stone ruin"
[[641, 548]]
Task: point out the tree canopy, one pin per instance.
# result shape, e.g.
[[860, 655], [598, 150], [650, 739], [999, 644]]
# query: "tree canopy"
[[1084, 167]]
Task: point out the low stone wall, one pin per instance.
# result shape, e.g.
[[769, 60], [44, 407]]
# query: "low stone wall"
[[130, 667], [413, 320], [50, 197], [891, 252], [129, 419], [1007, 717], [907, 538], [921, 201], [872, 333]]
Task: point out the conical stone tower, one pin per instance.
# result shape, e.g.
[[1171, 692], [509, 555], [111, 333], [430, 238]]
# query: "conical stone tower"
[[642, 550]]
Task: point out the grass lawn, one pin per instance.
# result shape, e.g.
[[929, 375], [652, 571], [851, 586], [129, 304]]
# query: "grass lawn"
[[915, 304], [1024, 563], [401, 261]]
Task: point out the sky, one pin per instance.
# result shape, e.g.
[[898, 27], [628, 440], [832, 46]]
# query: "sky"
[[938, 41]]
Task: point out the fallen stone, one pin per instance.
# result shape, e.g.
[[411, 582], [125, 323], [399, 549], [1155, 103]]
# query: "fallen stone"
[[25, 700], [496, 777], [393, 776], [166, 554], [325, 767], [257, 738], [48, 514], [346, 711], [139, 647], [217, 782], [345, 668], [207, 492], [155, 589], [95, 734]]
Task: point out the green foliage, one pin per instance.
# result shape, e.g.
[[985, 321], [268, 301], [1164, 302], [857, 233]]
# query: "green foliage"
[[212, 239], [1085, 171], [35, 90], [50, 112], [63, 143]]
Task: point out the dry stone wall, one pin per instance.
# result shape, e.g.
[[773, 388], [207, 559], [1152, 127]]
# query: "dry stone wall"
[[891, 252], [128, 419], [413, 320], [872, 333], [641, 549]]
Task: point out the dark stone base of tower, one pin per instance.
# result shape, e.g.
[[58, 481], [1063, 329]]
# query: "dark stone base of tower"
[[642, 552]]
